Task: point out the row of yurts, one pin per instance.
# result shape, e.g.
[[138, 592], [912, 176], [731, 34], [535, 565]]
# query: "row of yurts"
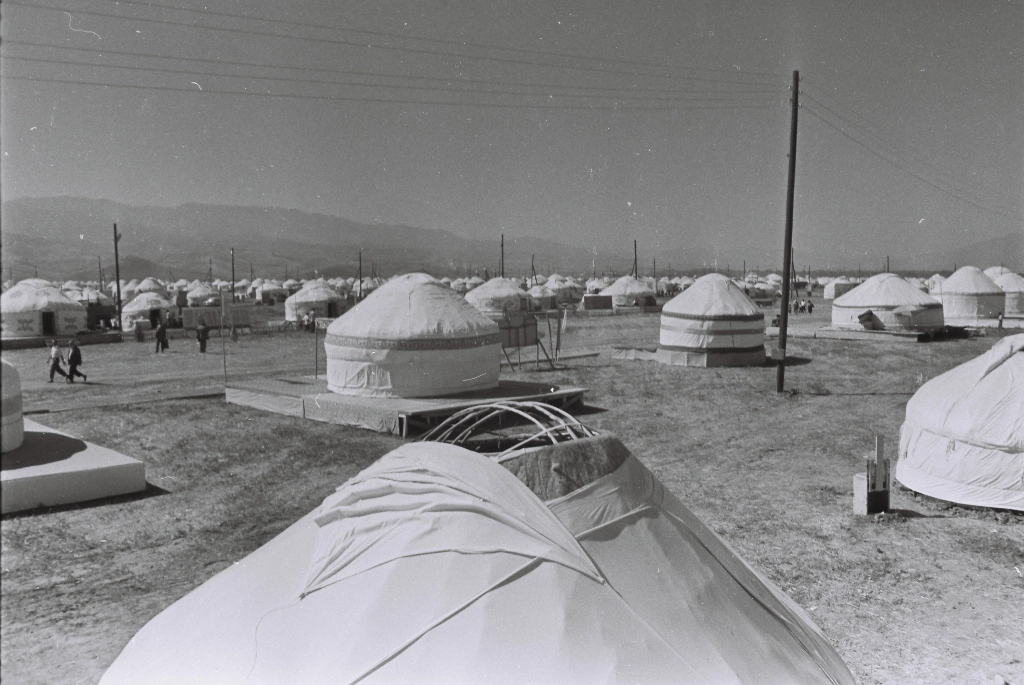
[[967, 297]]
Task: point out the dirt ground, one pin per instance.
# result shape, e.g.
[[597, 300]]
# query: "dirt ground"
[[930, 593]]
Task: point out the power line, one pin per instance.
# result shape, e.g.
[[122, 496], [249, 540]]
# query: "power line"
[[348, 43], [918, 157], [439, 41], [287, 79], [762, 89], [998, 212], [341, 98]]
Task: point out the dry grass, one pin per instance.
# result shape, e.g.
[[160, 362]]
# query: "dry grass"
[[928, 595]]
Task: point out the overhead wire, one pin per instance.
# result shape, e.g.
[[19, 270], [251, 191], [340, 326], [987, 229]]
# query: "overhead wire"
[[349, 43]]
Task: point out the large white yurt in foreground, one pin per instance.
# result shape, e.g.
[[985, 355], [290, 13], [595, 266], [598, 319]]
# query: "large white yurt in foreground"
[[12, 431], [29, 311], [412, 337], [318, 299], [499, 296], [711, 323], [969, 295], [437, 565], [1013, 285], [628, 291], [963, 438], [887, 302]]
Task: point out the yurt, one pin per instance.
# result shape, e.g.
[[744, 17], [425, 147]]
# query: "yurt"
[[316, 298], [711, 323], [151, 285], [838, 287], [197, 297], [36, 283], [935, 282], [595, 286], [995, 272], [12, 432], [563, 290], [438, 565], [474, 282], [887, 302], [459, 285], [291, 285], [543, 298], [447, 281], [412, 337], [271, 292], [963, 437], [630, 292], [969, 295], [29, 311], [1013, 285], [148, 308], [498, 297]]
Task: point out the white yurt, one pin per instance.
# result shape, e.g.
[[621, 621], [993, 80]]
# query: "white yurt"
[[89, 296], [963, 437], [459, 286], [151, 285], [474, 282], [630, 292], [146, 307], [935, 282], [595, 286], [199, 296], [412, 337], [969, 295], [543, 298], [995, 272], [564, 291], [1013, 285], [436, 565], [838, 287], [36, 283], [447, 281], [887, 302], [291, 285], [12, 432], [711, 323], [316, 298], [30, 311], [271, 292], [498, 297]]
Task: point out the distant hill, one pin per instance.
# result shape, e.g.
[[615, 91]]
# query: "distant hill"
[[61, 237]]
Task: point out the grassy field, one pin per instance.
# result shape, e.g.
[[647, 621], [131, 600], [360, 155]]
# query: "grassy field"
[[930, 593]]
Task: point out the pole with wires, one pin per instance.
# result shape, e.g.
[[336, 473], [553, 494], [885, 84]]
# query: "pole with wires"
[[787, 250]]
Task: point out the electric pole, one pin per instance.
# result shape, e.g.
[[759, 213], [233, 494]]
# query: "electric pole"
[[232, 275], [117, 277], [787, 250]]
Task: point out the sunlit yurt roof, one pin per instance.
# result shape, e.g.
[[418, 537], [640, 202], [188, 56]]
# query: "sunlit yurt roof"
[[144, 302], [885, 290], [34, 298]]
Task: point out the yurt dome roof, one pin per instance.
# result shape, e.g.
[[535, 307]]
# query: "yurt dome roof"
[[143, 302], [969, 280], [1011, 283], [28, 298], [885, 290]]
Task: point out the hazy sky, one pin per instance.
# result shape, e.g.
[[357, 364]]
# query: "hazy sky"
[[681, 137]]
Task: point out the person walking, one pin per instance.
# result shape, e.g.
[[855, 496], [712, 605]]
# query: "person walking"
[[55, 361], [74, 361], [161, 337], [202, 335]]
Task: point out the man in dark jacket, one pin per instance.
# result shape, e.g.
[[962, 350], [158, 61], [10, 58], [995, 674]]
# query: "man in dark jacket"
[[74, 361], [161, 337], [202, 335]]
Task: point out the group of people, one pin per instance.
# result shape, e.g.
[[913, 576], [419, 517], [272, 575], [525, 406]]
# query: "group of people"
[[202, 336], [803, 306], [73, 360]]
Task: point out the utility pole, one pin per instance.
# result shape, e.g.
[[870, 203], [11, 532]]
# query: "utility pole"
[[787, 249], [360, 291], [635, 273], [232, 275], [117, 276], [655, 268], [503, 255], [99, 265], [886, 263]]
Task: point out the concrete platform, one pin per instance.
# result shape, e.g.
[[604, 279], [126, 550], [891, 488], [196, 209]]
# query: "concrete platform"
[[52, 468], [309, 398]]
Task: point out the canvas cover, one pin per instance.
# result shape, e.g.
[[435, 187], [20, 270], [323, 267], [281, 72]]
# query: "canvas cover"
[[436, 565], [499, 296], [12, 432], [21, 309], [894, 304], [1013, 285], [963, 437], [412, 337], [969, 295], [838, 287], [628, 291], [312, 298], [543, 297], [711, 323]]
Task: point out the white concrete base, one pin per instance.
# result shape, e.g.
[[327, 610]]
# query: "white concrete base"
[[53, 468]]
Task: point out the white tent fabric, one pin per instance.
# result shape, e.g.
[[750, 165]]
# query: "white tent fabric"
[[895, 305], [436, 565], [628, 292], [543, 298], [711, 323], [317, 298], [22, 310], [151, 285], [499, 296], [142, 307], [199, 295], [995, 272], [412, 337], [838, 287], [963, 437], [12, 432], [969, 295], [1013, 285]]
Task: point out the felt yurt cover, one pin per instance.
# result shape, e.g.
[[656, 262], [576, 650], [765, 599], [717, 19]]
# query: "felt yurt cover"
[[711, 323], [316, 298], [22, 308], [969, 295], [895, 305], [143, 303], [1013, 285], [838, 287], [628, 291], [199, 295], [499, 296], [437, 565], [412, 337], [12, 432], [995, 272], [151, 285], [963, 437], [543, 297]]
